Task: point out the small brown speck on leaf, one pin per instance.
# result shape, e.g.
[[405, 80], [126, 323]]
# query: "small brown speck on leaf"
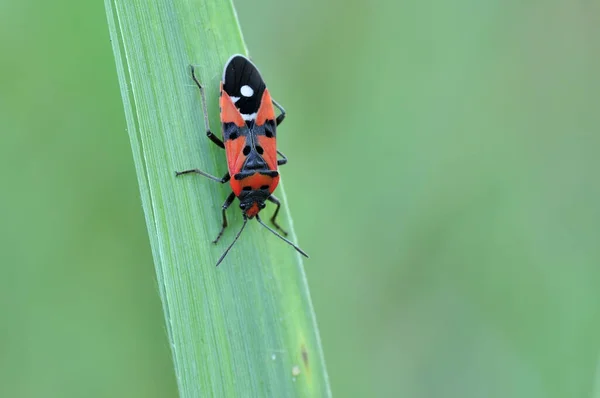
[[305, 356]]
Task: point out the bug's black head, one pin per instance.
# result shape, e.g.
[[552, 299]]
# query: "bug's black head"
[[253, 201]]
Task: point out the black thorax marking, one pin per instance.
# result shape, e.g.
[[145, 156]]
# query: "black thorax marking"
[[253, 152]]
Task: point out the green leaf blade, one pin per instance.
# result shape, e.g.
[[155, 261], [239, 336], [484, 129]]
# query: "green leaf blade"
[[246, 328]]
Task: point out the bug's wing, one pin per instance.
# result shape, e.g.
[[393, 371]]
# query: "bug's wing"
[[265, 126], [244, 85], [235, 133]]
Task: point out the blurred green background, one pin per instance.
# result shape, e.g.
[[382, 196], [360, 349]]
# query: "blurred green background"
[[443, 177]]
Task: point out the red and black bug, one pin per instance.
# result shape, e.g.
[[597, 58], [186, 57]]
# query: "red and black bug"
[[249, 125]]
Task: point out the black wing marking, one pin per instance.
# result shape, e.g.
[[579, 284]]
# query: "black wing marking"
[[240, 72]]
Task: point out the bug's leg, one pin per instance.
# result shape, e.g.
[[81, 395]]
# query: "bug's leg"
[[223, 180], [209, 133], [273, 199], [283, 161], [281, 115], [227, 203]]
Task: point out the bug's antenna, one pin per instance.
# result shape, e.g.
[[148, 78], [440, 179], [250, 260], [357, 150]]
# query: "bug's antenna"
[[232, 243], [281, 237]]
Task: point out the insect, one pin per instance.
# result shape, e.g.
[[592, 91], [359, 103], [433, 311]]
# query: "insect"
[[249, 125]]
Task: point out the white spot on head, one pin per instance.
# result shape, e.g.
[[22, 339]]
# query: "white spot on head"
[[247, 91]]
